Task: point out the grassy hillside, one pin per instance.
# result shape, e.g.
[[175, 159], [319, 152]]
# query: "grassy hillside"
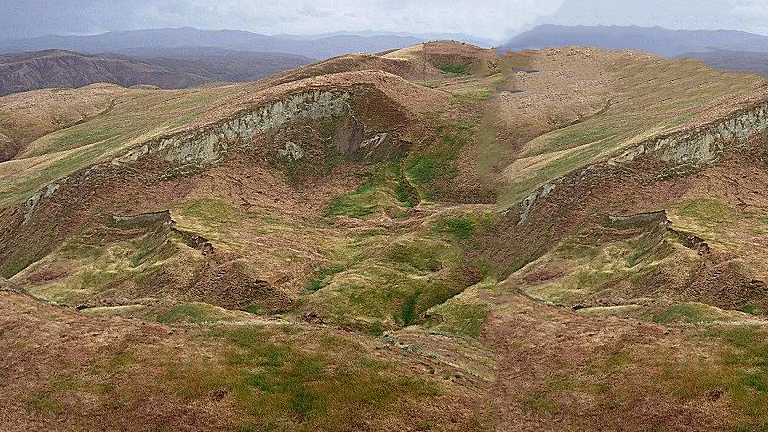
[[355, 245]]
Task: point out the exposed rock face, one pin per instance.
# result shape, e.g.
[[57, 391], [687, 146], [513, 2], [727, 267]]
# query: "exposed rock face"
[[527, 204], [354, 143], [208, 146], [702, 145], [660, 218], [641, 218], [349, 135], [29, 206], [291, 152], [697, 147], [163, 217]]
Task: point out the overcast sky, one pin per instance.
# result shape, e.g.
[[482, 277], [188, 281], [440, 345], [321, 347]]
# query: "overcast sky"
[[494, 19]]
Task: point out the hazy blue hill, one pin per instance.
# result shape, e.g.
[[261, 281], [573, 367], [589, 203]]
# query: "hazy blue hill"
[[165, 68], [130, 41], [656, 40]]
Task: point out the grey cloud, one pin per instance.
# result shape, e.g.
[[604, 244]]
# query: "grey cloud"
[[491, 18], [311, 11], [750, 15], [497, 19]]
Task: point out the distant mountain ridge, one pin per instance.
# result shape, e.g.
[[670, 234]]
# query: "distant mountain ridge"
[[655, 40], [126, 42], [460, 37], [735, 61], [171, 68]]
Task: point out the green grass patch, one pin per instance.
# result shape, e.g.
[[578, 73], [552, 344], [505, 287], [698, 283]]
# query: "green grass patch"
[[253, 308], [432, 166], [350, 205], [323, 277], [461, 228], [372, 296], [408, 314], [45, 402], [422, 254], [540, 402], [53, 399], [185, 313], [707, 211], [684, 313], [285, 387], [749, 308], [472, 95], [385, 189], [458, 69], [14, 265], [458, 318], [423, 169], [75, 250]]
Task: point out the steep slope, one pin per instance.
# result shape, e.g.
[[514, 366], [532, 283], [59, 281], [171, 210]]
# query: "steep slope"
[[607, 102]]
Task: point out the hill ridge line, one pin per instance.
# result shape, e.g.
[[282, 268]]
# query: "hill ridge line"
[[698, 146], [206, 144]]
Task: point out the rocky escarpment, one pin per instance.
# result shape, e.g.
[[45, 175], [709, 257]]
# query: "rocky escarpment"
[[208, 145], [167, 225], [319, 122], [660, 219], [689, 148]]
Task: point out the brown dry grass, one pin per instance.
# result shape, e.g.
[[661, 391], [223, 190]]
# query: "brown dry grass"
[[392, 318]]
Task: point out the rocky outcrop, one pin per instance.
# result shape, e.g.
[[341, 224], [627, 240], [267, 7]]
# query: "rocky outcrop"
[[207, 146], [696, 147], [291, 152], [530, 200], [34, 200], [660, 218], [704, 144], [165, 221], [143, 219], [8, 286], [354, 143]]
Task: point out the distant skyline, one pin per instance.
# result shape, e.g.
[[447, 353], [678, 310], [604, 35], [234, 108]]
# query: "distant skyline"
[[745, 15], [491, 19]]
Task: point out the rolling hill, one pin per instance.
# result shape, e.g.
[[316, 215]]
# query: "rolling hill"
[[737, 61], [733, 51], [177, 68], [129, 42], [439, 237], [655, 40]]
